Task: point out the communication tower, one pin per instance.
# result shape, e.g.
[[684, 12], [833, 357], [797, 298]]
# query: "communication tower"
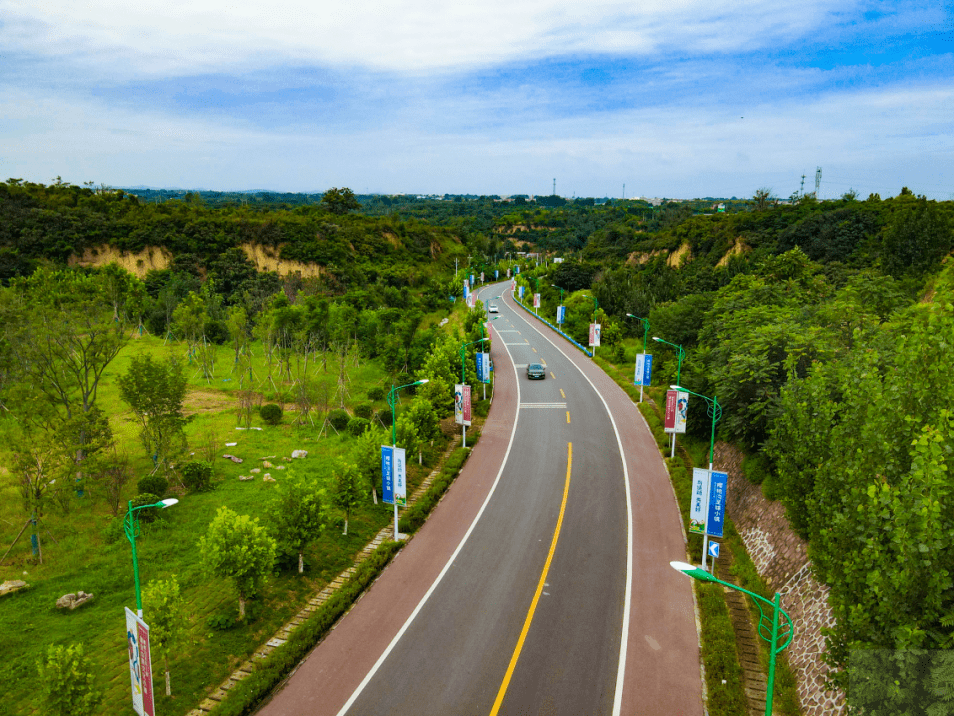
[[817, 180]]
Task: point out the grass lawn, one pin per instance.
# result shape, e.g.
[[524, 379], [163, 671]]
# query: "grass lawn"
[[78, 555]]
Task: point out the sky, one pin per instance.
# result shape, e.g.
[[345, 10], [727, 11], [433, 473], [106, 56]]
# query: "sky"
[[674, 98]]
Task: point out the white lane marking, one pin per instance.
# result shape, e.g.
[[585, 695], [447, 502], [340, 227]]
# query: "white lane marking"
[[561, 406], [627, 603], [420, 605]]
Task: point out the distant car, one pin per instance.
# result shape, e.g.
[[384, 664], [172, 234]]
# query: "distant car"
[[492, 308], [535, 371]]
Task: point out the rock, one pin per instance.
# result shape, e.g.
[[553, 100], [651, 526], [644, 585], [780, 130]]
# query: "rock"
[[299, 453], [14, 585], [280, 467], [286, 459], [267, 478], [266, 463], [230, 444], [72, 601], [256, 470], [246, 478], [232, 458]]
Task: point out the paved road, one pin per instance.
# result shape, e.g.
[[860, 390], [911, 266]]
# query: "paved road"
[[517, 596]]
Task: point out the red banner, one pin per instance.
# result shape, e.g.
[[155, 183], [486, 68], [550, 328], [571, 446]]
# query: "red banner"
[[145, 670], [670, 423], [466, 404]]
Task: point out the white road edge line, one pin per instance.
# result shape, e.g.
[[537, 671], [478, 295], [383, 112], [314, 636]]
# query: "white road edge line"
[[397, 637], [621, 672]]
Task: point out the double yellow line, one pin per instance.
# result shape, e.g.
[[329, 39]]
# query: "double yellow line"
[[536, 597]]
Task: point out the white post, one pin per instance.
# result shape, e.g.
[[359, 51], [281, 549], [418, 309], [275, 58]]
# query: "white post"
[[464, 444], [397, 535], [640, 392], [673, 454]]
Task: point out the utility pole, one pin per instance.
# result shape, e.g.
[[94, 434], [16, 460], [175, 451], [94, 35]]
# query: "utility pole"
[[554, 186], [802, 192]]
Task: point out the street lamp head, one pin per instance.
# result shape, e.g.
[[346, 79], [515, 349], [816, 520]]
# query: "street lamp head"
[[169, 502], [675, 387], [657, 338], [423, 381], [692, 571]]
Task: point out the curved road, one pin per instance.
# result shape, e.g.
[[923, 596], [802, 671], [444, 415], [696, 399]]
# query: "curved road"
[[539, 585]]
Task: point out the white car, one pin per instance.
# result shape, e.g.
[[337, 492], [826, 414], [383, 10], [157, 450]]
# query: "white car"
[[492, 308]]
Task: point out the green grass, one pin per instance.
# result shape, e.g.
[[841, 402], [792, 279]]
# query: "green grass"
[[78, 557]]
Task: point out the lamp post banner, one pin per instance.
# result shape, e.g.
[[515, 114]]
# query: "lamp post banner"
[[718, 483], [496, 274], [594, 335], [481, 276], [561, 315], [387, 474], [483, 367], [644, 369], [466, 285], [465, 407], [520, 293], [508, 273], [140, 664], [400, 478], [459, 404], [699, 507], [669, 420], [472, 280], [536, 300], [677, 406]]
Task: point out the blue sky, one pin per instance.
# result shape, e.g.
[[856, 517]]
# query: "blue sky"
[[681, 98]]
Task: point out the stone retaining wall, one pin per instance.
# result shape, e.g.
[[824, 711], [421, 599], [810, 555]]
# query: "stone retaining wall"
[[781, 558]]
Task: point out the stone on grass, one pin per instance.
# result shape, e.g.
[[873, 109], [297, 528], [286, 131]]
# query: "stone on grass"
[[267, 478], [279, 467], [256, 470], [266, 463], [246, 478], [232, 458], [72, 601], [11, 586]]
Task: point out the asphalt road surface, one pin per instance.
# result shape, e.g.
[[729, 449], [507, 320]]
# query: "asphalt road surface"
[[539, 585]]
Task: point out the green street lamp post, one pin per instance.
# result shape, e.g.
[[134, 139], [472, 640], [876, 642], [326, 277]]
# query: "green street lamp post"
[[463, 380], [645, 334], [392, 401], [561, 292], [769, 634], [131, 528], [595, 305], [714, 411]]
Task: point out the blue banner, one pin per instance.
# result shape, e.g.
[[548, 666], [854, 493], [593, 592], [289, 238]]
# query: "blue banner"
[[718, 483], [483, 367], [472, 279], [496, 274], [644, 369], [387, 474], [561, 315]]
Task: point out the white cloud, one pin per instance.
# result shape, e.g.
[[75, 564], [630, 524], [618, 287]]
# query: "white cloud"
[[159, 36], [875, 140]]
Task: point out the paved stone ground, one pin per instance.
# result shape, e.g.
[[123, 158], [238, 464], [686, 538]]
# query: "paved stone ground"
[[282, 635]]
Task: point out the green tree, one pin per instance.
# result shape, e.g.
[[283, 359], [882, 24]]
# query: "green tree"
[[916, 238], [367, 459], [156, 391], [296, 515], [166, 608], [68, 681], [347, 489], [237, 547], [339, 201]]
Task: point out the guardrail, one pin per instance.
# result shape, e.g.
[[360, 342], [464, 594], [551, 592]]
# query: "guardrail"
[[544, 320]]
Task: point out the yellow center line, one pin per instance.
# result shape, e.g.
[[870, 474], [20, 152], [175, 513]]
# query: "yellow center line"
[[567, 417], [540, 585], [533, 349], [561, 391], [554, 377]]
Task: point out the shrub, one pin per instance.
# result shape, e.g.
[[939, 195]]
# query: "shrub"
[[146, 499], [384, 416], [152, 485], [197, 476], [68, 682], [271, 413], [757, 468], [113, 531], [358, 426], [364, 410], [376, 393], [338, 419]]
